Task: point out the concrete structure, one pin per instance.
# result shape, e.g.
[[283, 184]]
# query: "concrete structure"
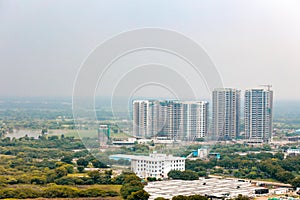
[[294, 138], [127, 142], [293, 151], [215, 155], [154, 165], [141, 118], [201, 153], [213, 187], [226, 113], [194, 119], [258, 114], [104, 135], [175, 120]]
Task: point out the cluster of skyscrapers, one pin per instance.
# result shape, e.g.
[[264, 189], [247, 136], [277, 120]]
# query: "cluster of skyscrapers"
[[189, 120], [178, 120], [258, 112]]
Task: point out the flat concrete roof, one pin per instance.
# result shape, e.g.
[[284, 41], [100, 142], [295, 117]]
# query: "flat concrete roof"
[[152, 157], [212, 187]]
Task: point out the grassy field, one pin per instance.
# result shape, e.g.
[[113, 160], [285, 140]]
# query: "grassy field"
[[115, 188]]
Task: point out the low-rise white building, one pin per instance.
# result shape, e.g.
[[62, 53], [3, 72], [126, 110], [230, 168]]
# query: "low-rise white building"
[[293, 151], [156, 165]]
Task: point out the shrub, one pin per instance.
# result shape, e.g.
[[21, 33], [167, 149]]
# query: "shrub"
[[139, 195], [128, 188], [91, 192], [151, 179], [183, 175], [38, 180], [66, 180], [82, 162], [7, 193], [56, 191], [19, 193], [80, 169]]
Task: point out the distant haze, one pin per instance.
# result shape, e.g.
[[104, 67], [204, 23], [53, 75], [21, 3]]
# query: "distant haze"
[[43, 43]]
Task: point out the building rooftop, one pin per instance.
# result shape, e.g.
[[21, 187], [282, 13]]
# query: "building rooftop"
[[212, 187], [151, 157]]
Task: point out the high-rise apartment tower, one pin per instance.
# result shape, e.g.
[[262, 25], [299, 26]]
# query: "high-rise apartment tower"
[[258, 114], [225, 113]]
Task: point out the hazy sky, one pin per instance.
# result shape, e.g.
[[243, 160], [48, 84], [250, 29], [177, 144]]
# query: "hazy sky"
[[43, 43]]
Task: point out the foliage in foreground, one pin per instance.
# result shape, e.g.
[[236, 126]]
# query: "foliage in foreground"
[[132, 188], [55, 191]]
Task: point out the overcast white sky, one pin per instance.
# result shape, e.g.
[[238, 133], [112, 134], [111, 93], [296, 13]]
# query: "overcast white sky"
[[42, 43]]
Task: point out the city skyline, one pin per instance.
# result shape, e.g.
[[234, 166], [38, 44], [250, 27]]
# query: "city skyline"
[[148, 100], [189, 120]]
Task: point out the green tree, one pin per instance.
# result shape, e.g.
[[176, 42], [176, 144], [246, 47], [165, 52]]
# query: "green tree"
[[189, 175], [183, 175], [131, 177], [95, 175], [67, 180], [98, 164], [150, 179], [57, 191], [39, 180], [120, 180], [284, 176], [139, 195], [60, 172], [197, 197], [82, 162], [91, 192], [180, 197], [296, 182], [241, 197], [279, 155], [44, 131], [175, 174], [67, 159], [23, 179], [80, 169], [69, 168], [128, 188], [192, 197]]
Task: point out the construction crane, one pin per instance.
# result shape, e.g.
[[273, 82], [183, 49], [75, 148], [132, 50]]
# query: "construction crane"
[[267, 86]]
